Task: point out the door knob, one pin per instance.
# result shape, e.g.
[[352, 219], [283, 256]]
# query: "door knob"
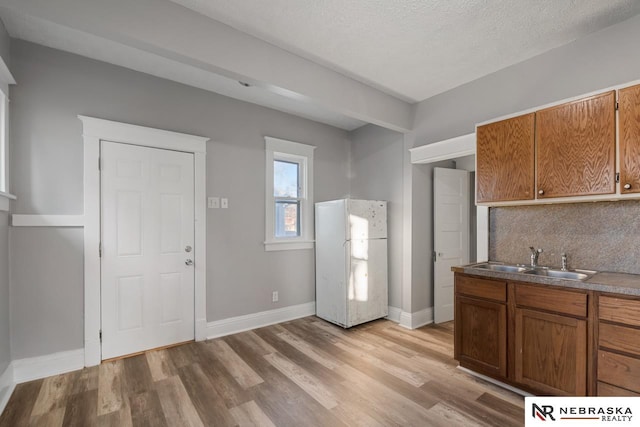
[[187, 248], [188, 262], [627, 186], [541, 192]]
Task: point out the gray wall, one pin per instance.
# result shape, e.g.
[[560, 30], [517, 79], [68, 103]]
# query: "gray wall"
[[54, 87], [376, 174], [5, 342], [601, 236], [594, 62]]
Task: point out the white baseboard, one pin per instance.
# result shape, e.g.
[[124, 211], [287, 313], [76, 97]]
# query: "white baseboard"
[[7, 385], [416, 319], [232, 325], [394, 314], [35, 368]]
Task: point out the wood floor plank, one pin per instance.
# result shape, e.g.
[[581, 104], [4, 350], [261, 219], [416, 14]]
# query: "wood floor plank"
[[53, 418], [20, 405], [301, 372], [146, 410], [249, 414], [53, 394], [303, 379], [110, 377], [81, 410], [238, 368], [207, 401], [160, 365], [176, 404]]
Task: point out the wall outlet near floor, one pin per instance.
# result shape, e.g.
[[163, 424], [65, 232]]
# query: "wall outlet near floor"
[[213, 202], [224, 203], [274, 296]]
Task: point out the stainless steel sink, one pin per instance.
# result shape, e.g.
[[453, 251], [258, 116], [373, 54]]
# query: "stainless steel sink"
[[502, 267], [561, 274]]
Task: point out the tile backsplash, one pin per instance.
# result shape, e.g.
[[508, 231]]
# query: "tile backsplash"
[[603, 236]]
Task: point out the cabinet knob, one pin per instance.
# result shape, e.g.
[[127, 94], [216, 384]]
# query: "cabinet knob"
[[627, 186], [540, 191]]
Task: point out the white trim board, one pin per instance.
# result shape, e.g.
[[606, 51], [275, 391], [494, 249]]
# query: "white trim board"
[[233, 325], [7, 385], [416, 319], [394, 314], [453, 148], [34, 368], [93, 131], [19, 220]]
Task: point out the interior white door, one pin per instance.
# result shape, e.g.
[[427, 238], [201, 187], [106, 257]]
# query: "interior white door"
[[147, 274], [451, 235]]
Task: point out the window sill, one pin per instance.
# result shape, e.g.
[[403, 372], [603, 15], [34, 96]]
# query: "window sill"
[[288, 246], [4, 201]]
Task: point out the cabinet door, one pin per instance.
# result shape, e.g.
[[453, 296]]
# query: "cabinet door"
[[505, 160], [481, 335], [551, 353], [576, 148], [629, 116]]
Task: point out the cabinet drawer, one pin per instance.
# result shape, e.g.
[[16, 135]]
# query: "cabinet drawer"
[[622, 371], [557, 300], [619, 310], [605, 389], [619, 338], [481, 288]]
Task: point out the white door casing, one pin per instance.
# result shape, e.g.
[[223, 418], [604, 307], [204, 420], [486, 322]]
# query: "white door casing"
[[95, 130], [451, 235], [147, 291]]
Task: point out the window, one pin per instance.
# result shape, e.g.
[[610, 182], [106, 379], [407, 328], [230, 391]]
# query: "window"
[[6, 79], [289, 195]]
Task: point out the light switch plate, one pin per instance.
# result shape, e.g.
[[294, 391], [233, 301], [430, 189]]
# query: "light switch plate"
[[213, 202], [224, 203]]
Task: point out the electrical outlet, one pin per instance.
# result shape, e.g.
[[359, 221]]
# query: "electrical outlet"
[[274, 296], [224, 203], [213, 202]]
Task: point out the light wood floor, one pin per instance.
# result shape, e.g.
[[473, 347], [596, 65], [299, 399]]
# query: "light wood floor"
[[306, 372]]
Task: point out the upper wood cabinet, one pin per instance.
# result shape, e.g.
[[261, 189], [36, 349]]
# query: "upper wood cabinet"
[[629, 135], [505, 160], [575, 145]]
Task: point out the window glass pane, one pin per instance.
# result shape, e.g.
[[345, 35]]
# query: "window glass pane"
[[287, 219], [285, 179]]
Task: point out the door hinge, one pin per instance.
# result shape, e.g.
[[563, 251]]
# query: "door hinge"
[[100, 335], [617, 177], [434, 256], [99, 163], [100, 250], [617, 105]]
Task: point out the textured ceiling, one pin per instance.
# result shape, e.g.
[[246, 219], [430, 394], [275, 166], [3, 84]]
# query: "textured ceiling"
[[415, 49]]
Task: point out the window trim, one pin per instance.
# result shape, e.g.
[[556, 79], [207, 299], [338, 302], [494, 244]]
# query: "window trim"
[[6, 79], [280, 149]]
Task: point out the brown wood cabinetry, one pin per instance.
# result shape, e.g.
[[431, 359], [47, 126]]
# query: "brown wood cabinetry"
[[618, 346], [481, 325], [629, 122], [575, 145], [535, 337], [505, 160]]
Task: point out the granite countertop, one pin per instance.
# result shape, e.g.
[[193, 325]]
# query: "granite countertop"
[[616, 283]]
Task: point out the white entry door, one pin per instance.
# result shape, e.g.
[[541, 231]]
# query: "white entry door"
[[147, 277], [451, 235]]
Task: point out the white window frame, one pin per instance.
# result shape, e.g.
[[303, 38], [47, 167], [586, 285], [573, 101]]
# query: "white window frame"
[[302, 154], [6, 79]]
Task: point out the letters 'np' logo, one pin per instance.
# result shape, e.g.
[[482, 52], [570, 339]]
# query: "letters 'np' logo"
[[542, 412]]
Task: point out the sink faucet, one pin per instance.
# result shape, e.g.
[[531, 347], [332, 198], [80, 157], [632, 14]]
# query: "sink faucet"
[[564, 262], [535, 253]]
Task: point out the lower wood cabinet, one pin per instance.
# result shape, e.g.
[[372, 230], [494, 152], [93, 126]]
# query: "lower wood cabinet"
[[534, 337], [551, 352], [481, 335]]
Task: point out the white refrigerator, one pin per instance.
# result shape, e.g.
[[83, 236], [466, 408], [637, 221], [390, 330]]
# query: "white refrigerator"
[[351, 261]]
